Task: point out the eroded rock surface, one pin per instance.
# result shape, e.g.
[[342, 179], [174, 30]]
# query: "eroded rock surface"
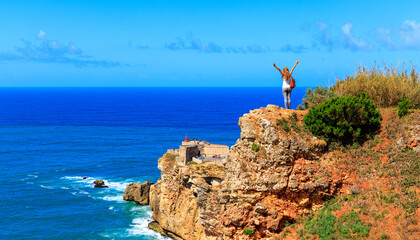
[[260, 189], [138, 192]]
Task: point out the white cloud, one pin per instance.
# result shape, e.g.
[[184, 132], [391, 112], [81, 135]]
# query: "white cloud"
[[44, 50], [41, 34], [352, 42], [410, 34], [383, 36], [323, 35]]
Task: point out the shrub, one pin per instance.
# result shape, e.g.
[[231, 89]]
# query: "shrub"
[[326, 226], [283, 123], [384, 86], [317, 96], [255, 147], [383, 236], [344, 119], [403, 107], [293, 117], [248, 231]]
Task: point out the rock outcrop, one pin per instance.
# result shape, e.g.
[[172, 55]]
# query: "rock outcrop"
[[99, 184], [259, 188], [138, 192]]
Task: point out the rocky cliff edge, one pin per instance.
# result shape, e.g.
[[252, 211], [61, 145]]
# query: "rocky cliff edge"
[[272, 175]]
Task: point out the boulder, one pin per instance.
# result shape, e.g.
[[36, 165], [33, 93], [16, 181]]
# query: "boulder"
[[99, 184], [138, 192]]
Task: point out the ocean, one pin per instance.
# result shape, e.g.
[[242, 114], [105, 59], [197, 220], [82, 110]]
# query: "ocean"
[[50, 138]]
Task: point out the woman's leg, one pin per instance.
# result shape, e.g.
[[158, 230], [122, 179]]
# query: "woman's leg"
[[289, 100], [285, 97]]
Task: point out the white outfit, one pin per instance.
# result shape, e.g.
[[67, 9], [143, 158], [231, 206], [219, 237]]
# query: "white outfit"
[[286, 93]]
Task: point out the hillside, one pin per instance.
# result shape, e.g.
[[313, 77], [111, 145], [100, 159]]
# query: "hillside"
[[279, 181]]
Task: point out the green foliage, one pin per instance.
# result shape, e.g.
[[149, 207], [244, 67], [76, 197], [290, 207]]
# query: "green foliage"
[[317, 96], [248, 231], [191, 163], [383, 236], [283, 123], [255, 147], [351, 224], [403, 107], [344, 119], [326, 225], [293, 117]]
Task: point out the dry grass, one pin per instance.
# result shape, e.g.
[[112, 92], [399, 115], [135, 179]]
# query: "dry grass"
[[385, 86]]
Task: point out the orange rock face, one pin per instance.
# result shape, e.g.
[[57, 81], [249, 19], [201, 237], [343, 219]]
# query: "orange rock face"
[[260, 188]]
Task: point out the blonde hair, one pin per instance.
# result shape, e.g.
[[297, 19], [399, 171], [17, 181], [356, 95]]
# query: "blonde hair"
[[286, 73]]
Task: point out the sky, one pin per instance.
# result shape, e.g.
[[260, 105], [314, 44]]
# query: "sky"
[[201, 43]]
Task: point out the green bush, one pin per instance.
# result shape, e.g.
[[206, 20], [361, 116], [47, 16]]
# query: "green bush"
[[326, 225], [255, 147], [344, 119], [293, 117], [317, 96], [283, 123], [248, 231], [403, 107]]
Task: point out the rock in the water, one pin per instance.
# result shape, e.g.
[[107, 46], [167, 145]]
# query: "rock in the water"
[[138, 192], [99, 184]]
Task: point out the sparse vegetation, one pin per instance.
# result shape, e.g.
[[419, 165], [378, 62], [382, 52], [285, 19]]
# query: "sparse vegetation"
[[383, 236], [403, 107], [283, 124], [248, 231], [192, 163], [326, 225], [255, 147], [344, 119]]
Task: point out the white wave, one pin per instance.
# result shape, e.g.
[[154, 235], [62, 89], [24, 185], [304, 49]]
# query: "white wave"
[[88, 181], [111, 208], [30, 183], [43, 186], [76, 178], [140, 227], [112, 198], [119, 186], [138, 208], [64, 188], [82, 192]]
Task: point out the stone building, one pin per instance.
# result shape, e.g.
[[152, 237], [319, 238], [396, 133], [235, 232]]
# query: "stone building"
[[201, 151]]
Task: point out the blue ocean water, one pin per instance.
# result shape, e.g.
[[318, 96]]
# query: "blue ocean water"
[[50, 138]]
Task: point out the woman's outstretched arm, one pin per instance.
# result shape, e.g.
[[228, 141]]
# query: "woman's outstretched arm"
[[277, 68], [294, 67]]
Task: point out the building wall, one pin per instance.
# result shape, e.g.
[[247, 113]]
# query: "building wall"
[[214, 149], [186, 153]]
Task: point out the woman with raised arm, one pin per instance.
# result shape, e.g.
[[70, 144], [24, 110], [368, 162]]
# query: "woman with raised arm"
[[286, 76]]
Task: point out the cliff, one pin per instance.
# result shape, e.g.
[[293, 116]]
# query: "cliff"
[[271, 176], [280, 182]]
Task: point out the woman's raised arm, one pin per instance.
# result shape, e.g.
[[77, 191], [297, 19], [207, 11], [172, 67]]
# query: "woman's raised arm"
[[277, 68], [294, 67]]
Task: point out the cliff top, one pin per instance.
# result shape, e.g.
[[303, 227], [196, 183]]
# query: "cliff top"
[[281, 182]]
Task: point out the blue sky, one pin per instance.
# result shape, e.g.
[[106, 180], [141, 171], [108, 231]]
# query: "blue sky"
[[200, 43]]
